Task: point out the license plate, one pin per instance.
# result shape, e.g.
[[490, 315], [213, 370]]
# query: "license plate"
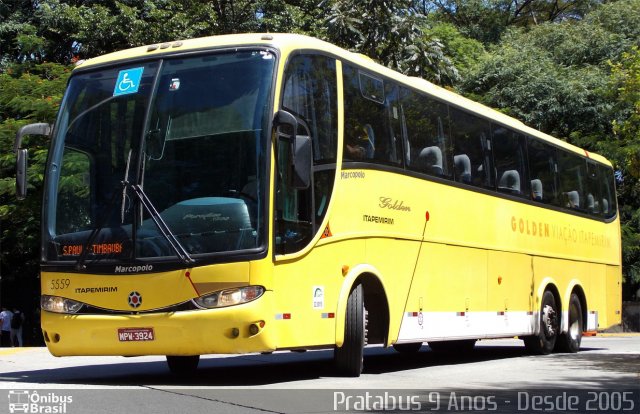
[[135, 334]]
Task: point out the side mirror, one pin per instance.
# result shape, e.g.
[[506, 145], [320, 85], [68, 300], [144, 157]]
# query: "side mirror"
[[21, 173], [300, 152], [22, 155]]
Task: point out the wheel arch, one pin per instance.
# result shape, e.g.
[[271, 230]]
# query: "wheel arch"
[[375, 298]]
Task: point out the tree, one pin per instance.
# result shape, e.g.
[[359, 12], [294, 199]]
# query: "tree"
[[463, 51], [28, 93], [623, 147], [554, 76], [65, 30], [577, 80], [88, 29], [17, 31], [391, 32], [488, 20], [292, 16]]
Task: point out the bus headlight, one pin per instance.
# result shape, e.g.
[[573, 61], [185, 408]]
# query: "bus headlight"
[[58, 304], [229, 297]]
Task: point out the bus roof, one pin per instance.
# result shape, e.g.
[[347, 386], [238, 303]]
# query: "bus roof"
[[290, 42]]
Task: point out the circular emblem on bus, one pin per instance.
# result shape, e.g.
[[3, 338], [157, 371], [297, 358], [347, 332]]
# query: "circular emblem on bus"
[[135, 299]]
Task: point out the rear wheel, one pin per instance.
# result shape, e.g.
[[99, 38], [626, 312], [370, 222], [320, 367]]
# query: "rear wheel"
[[349, 358], [544, 342], [182, 365], [570, 341], [410, 348]]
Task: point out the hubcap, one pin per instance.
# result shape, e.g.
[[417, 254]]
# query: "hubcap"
[[549, 320]]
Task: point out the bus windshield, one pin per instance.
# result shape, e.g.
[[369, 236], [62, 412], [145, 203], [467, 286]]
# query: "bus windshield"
[[189, 133]]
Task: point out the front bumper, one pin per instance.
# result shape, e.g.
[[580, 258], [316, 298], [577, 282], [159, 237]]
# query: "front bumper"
[[214, 331]]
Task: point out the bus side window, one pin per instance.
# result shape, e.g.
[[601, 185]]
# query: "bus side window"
[[471, 140], [572, 180], [391, 150], [372, 119], [427, 131], [510, 161], [608, 193], [593, 199], [542, 171]]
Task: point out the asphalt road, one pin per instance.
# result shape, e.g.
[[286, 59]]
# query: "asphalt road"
[[497, 376]]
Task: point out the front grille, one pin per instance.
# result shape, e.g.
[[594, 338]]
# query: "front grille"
[[179, 307]]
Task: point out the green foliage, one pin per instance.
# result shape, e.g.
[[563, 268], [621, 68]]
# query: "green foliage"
[[63, 31], [88, 29], [623, 147], [554, 76], [488, 20], [391, 32], [464, 52], [28, 93], [625, 81], [291, 16], [526, 82], [577, 80]]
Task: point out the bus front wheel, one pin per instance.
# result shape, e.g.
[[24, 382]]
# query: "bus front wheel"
[[182, 365], [545, 341], [349, 358], [570, 341]]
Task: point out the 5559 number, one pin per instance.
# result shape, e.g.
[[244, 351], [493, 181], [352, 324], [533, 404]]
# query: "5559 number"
[[58, 284]]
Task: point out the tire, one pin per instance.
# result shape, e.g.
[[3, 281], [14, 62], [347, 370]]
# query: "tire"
[[453, 347], [183, 365], [570, 341], [545, 341], [410, 348], [349, 358]]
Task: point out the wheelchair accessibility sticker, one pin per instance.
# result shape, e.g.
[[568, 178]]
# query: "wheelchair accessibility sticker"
[[128, 81]]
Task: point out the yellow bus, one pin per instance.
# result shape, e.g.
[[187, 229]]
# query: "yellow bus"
[[265, 192]]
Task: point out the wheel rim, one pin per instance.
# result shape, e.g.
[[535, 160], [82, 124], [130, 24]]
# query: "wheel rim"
[[549, 321]]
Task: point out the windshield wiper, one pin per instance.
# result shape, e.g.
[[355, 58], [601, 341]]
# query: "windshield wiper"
[[155, 216], [177, 247]]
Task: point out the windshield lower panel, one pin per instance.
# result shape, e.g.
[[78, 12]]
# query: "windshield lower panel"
[[190, 133]]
